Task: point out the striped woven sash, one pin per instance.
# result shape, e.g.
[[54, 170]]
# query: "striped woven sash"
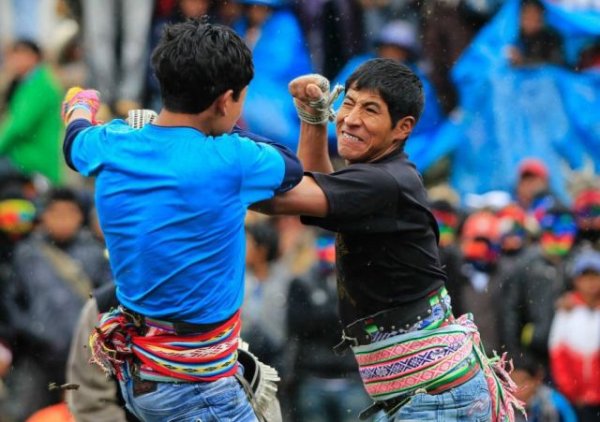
[[422, 359], [162, 354], [435, 361]]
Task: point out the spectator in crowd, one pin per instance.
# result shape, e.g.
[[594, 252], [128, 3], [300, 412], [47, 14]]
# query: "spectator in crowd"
[[542, 402], [379, 13], [98, 397], [25, 19], [448, 221], [265, 301], [586, 208], [296, 244], [575, 339], [516, 230], [227, 12], [481, 291], [334, 32], [533, 189], [17, 213], [31, 130], [280, 53], [326, 386], [446, 42], [537, 43], [116, 41], [531, 290], [55, 268]]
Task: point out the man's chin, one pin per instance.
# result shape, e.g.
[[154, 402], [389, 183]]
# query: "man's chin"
[[348, 154]]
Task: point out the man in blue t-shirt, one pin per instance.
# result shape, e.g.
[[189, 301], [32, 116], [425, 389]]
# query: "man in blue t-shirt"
[[171, 199]]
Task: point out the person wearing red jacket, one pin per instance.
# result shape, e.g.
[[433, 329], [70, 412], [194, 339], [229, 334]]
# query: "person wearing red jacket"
[[575, 339]]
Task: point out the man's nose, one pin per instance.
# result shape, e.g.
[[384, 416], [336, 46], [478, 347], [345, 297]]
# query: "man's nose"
[[353, 116]]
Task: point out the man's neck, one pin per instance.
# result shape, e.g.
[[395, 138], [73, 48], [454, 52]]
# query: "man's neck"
[[197, 121]]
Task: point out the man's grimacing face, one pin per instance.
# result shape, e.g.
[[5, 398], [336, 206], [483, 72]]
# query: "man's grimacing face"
[[364, 127]]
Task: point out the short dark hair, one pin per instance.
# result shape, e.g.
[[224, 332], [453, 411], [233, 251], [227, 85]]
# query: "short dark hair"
[[61, 194], [196, 61], [398, 86], [535, 3], [526, 362], [266, 236], [29, 45]]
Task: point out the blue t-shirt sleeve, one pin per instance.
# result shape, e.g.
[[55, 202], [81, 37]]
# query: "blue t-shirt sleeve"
[[263, 171], [83, 146], [293, 170]]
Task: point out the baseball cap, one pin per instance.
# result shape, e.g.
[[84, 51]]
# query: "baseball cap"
[[586, 261], [533, 167], [587, 199]]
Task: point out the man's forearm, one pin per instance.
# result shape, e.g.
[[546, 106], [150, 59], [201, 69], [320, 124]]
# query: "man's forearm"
[[313, 148]]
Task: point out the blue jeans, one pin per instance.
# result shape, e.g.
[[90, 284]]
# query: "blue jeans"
[[469, 402], [323, 400], [221, 400]]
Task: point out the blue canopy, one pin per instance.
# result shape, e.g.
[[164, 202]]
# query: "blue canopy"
[[510, 113]]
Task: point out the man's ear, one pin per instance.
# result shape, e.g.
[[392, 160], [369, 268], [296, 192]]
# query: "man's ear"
[[404, 127], [223, 102]]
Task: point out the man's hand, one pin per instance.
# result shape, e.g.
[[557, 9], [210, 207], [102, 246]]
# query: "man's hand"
[[312, 98], [81, 99]]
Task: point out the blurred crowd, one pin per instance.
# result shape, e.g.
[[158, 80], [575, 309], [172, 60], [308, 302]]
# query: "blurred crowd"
[[525, 261]]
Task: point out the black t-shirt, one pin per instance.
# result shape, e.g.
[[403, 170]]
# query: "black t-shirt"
[[386, 247]]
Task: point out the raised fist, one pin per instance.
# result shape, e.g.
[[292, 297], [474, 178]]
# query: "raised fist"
[[312, 98], [77, 97]]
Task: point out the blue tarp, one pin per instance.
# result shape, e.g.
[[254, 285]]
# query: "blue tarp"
[[507, 114], [280, 55]]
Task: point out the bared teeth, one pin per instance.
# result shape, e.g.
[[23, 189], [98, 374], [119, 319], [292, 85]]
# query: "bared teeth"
[[352, 137]]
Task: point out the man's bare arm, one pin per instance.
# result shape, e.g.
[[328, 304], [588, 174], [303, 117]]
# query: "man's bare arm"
[[307, 198], [313, 149]]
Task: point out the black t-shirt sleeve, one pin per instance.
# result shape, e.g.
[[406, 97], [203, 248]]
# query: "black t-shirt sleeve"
[[353, 193]]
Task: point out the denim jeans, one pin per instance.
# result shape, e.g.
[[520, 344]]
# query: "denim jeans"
[[217, 401], [324, 400], [469, 402]]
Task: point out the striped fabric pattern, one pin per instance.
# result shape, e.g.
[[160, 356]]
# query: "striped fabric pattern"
[[163, 355], [391, 368], [435, 360]]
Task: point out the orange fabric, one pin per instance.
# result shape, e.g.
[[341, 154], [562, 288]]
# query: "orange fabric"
[[55, 413]]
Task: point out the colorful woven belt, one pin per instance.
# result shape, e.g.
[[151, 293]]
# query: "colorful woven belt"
[[435, 360], [160, 354]]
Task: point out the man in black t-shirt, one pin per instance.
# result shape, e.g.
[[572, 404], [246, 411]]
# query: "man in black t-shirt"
[[410, 349]]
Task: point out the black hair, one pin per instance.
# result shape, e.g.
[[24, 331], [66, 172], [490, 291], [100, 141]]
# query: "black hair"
[[527, 363], [266, 236], [396, 83], [195, 62], [27, 44], [535, 3], [62, 194]]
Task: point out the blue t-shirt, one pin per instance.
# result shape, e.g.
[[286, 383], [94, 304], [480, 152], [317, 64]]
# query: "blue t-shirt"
[[171, 202]]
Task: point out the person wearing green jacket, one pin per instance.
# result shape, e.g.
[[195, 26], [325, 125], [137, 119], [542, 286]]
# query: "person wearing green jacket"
[[31, 128]]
